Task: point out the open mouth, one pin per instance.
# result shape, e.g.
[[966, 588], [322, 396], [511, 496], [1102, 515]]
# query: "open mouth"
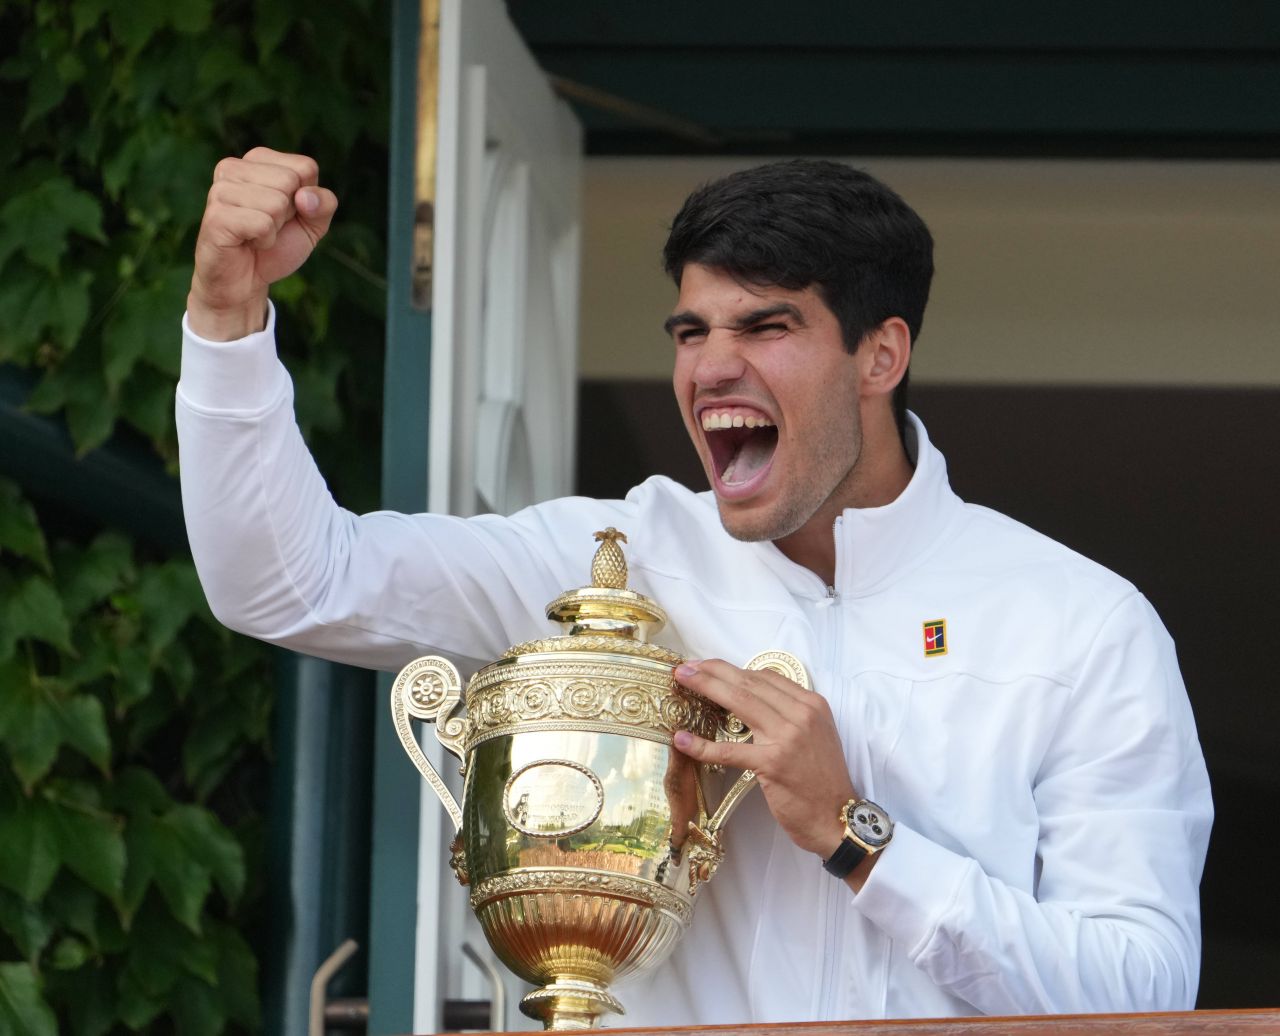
[[742, 443]]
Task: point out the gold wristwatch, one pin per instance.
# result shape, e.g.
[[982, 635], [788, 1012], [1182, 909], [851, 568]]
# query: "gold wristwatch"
[[867, 830]]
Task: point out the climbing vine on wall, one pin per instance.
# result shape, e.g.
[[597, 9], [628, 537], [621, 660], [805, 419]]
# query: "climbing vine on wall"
[[133, 728]]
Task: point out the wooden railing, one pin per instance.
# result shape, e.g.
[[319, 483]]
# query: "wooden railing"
[[1177, 1023]]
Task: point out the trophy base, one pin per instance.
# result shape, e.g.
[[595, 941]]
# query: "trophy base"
[[570, 1003]]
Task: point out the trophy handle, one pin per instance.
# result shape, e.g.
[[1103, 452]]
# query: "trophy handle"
[[429, 689], [784, 664]]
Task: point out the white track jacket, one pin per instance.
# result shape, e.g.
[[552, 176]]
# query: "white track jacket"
[[1051, 799]]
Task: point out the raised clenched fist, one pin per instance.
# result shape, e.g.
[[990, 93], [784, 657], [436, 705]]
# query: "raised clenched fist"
[[265, 214]]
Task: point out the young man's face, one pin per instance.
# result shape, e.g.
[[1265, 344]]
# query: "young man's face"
[[769, 396]]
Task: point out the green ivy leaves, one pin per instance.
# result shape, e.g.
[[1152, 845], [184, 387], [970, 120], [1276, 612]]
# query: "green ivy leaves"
[[22, 1009], [115, 892], [134, 729], [32, 303], [62, 825], [39, 222], [181, 850], [38, 715], [20, 532], [127, 109]]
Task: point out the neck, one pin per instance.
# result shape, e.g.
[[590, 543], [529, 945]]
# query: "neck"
[[879, 476]]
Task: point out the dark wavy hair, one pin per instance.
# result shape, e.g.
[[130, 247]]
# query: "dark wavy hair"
[[813, 222]]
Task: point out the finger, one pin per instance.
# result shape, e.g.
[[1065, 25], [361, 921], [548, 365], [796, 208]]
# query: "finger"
[[230, 226], [277, 177], [780, 687], [745, 694], [235, 194], [760, 681], [303, 166], [806, 714], [722, 753]]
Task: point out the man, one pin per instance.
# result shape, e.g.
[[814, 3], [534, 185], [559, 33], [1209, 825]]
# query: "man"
[[994, 802]]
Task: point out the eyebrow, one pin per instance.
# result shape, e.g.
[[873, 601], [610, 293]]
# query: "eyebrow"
[[755, 316]]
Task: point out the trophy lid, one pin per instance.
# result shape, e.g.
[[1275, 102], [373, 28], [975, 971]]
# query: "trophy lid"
[[607, 607]]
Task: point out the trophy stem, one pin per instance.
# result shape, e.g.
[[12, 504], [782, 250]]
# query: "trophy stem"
[[570, 1003]]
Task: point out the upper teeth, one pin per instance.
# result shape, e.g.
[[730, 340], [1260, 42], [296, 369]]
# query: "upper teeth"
[[712, 421]]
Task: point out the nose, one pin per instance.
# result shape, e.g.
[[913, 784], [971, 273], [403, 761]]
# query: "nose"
[[720, 359]]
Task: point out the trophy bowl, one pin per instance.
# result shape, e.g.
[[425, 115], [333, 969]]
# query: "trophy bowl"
[[583, 833]]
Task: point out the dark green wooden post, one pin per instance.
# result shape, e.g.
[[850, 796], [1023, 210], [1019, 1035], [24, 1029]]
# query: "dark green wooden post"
[[396, 791], [318, 837]]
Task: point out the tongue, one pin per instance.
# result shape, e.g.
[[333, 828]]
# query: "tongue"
[[752, 455]]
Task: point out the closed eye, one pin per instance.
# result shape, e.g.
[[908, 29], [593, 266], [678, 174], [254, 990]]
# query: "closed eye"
[[768, 330]]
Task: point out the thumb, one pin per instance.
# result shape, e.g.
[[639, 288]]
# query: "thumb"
[[315, 207]]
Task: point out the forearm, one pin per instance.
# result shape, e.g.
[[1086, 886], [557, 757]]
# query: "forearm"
[[277, 557], [280, 560], [259, 518]]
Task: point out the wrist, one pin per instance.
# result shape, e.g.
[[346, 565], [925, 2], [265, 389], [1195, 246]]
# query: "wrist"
[[866, 829], [225, 323], [857, 877], [830, 841]]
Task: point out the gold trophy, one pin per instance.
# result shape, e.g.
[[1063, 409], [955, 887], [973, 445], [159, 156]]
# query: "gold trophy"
[[583, 833]]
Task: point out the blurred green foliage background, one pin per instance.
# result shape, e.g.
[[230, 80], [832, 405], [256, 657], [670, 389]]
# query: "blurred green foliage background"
[[134, 730]]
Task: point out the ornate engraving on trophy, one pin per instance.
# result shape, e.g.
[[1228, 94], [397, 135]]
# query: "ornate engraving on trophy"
[[552, 798]]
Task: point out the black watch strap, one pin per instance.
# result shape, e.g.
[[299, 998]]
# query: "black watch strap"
[[846, 857]]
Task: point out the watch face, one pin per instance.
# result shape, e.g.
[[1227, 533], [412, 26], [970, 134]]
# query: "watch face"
[[869, 823]]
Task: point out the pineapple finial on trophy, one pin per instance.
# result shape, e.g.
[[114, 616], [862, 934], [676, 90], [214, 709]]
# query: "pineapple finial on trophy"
[[605, 607], [609, 566]]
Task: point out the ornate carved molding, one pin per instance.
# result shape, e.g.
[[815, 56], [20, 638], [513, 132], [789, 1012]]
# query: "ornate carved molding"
[[587, 642], [573, 693]]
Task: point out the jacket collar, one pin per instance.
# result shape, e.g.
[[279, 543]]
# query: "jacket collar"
[[877, 545]]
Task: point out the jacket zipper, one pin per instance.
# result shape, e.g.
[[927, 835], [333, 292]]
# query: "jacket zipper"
[[833, 979]]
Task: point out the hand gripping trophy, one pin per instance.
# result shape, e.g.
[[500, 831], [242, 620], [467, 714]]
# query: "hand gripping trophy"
[[583, 833]]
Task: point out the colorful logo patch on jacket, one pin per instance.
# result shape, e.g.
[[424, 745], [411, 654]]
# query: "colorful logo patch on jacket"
[[935, 637]]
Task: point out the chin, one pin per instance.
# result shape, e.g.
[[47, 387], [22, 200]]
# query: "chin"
[[753, 528]]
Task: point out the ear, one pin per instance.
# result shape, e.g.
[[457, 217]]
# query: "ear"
[[884, 355]]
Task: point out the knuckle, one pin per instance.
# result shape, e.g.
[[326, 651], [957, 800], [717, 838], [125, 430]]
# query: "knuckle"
[[814, 705], [251, 226], [797, 744], [710, 752], [277, 206]]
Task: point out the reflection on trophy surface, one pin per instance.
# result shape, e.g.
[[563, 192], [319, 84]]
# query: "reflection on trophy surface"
[[583, 833]]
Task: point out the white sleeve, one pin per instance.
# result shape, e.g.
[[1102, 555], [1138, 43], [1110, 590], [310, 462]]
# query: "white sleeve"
[[281, 561], [1113, 923]]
